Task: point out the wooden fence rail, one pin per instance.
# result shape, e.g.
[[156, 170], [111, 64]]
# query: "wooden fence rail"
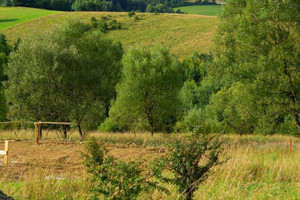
[[38, 128], [5, 153]]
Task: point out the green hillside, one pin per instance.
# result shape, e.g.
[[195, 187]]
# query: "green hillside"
[[183, 34], [10, 16], [211, 10]]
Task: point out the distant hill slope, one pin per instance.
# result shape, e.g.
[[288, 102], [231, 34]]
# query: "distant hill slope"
[[10, 16], [211, 10], [183, 34]]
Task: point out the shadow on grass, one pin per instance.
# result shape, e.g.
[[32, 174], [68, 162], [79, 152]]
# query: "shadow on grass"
[[7, 20]]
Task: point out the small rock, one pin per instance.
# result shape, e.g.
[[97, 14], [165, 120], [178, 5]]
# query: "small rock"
[[4, 196]]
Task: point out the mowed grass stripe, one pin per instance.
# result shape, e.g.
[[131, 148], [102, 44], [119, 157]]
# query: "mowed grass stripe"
[[183, 34], [210, 10], [10, 16]]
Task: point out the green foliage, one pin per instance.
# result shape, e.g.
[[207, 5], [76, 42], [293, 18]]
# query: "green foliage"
[[91, 5], [288, 126], [159, 8], [104, 25], [107, 126], [257, 47], [131, 13], [114, 179], [148, 89], [190, 159], [66, 75], [234, 109], [4, 52], [115, 25]]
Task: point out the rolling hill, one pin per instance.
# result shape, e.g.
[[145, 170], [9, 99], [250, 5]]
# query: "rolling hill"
[[211, 10], [10, 16], [183, 34]]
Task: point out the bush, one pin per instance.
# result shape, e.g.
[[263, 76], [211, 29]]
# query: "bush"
[[94, 22], [190, 160], [103, 26], [116, 180], [289, 126], [131, 13], [107, 126], [114, 25]]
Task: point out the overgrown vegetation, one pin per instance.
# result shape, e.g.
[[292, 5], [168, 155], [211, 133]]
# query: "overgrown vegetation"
[[147, 93], [190, 159], [59, 82], [112, 178], [233, 90]]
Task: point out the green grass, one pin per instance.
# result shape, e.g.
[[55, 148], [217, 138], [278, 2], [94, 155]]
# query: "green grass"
[[183, 34], [211, 10], [10, 16]]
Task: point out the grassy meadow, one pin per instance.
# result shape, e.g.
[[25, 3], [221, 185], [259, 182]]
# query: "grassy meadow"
[[10, 16], [255, 167], [210, 10], [183, 34]]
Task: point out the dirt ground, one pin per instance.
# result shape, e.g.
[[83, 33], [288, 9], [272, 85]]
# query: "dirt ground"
[[60, 158]]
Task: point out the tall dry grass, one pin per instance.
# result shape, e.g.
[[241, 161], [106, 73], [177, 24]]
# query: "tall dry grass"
[[256, 167]]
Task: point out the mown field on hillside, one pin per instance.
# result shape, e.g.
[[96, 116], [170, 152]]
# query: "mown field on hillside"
[[183, 34], [257, 167], [10, 16], [210, 10]]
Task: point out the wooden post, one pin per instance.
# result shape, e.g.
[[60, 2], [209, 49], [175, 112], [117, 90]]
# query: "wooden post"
[[5, 160], [290, 147], [36, 131]]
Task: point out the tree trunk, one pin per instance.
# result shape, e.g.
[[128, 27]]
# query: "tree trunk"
[[152, 130], [297, 118], [40, 131], [189, 194], [80, 131], [65, 129]]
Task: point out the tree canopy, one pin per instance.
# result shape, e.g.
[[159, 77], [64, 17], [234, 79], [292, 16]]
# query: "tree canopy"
[[147, 92], [64, 75], [257, 49]]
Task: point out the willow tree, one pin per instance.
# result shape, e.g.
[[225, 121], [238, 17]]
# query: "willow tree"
[[147, 93], [64, 75]]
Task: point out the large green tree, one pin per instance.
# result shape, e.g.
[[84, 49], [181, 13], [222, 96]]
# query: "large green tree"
[[148, 91], [258, 47], [4, 52], [65, 75]]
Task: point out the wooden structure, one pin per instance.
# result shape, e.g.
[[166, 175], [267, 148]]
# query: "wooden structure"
[[38, 128], [5, 153]]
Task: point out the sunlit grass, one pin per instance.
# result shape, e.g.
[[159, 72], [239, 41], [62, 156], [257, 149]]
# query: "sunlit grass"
[[255, 167], [183, 34], [211, 10], [10, 16]]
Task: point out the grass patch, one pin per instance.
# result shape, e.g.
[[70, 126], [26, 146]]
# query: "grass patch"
[[183, 34], [10, 16], [258, 167], [210, 10]]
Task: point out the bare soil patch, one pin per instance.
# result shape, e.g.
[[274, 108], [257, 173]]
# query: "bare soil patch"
[[61, 158]]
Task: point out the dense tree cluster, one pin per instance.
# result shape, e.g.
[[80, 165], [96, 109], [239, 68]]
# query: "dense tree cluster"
[[105, 5], [250, 83], [67, 75]]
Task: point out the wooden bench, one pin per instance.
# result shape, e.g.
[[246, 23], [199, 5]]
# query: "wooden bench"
[[5, 153]]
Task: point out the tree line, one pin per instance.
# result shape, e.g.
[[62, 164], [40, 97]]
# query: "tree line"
[[249, 84], [105, 5]]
